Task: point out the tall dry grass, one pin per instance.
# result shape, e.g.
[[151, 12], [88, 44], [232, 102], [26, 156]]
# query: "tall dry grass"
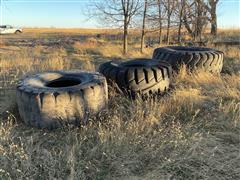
[[15, 65], [190, 133]]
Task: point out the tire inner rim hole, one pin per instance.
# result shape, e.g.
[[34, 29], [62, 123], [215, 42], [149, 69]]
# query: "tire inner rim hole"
[[63, 83]]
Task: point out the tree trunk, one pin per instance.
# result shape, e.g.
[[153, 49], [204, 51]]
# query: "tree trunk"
[[180, 21], [179, 32], [168, 30], [213, 20], [211, 8], [143, 27], [214, 26], [168, 20], [160, 23], [198, 28], [160, 35], [187, 26], [125, 37]]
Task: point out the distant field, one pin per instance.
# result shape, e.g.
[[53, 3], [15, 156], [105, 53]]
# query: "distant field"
[[236, 32], [67, 30], [193, 132]]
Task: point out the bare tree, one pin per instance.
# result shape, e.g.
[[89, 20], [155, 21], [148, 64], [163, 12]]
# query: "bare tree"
[[143, 25], [119, 13], [160, 16], [201, 19], [188, 17], [195, 18], [180, 10], [155, 17], [169, 5], [211, 7]]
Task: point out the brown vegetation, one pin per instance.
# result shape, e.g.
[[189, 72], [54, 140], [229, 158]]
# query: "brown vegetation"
[[190, 133]]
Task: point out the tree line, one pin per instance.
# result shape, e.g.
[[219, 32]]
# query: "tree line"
[[192, 16]]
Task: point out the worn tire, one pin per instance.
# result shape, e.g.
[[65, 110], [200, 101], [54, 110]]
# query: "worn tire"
[[195, 58], [55, 99], [139, 76]]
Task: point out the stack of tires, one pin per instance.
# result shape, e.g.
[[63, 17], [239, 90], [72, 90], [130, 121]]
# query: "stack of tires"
[[55, 99]]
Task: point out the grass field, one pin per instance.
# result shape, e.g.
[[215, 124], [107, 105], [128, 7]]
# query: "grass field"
[[193, 132]]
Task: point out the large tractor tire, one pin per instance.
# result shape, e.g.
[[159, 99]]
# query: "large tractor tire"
[[139, 76], [195, 58], [55, 99]]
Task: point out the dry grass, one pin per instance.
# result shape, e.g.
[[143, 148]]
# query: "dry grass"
[[229, 35], [27, 61], [193, 132], [69, 30], [108, 49]]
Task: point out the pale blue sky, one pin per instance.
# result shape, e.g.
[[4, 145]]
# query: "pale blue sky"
[[70, 13]]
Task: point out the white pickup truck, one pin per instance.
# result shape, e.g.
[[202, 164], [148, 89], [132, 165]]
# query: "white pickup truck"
[[7, 29]]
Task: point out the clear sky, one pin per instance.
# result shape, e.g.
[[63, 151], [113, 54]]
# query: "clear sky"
[[72, 13]]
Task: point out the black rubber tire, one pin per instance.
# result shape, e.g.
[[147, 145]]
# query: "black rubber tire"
[[55, 99], [195, 58], [139, 76]]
